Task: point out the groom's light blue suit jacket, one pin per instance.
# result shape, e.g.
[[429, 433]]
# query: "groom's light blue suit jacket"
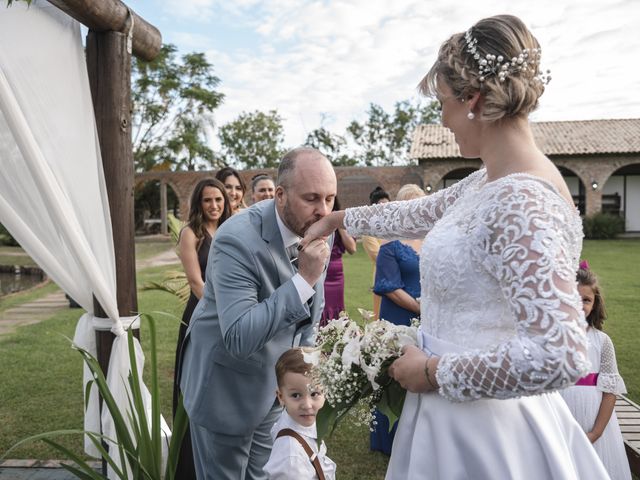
[[249, 314]]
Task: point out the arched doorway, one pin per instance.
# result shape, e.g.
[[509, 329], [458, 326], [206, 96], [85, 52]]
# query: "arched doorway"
[[621, 196], [148, 206], [576, 188]]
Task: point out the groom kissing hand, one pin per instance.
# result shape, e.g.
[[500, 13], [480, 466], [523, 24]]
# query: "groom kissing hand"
[[263, 294]]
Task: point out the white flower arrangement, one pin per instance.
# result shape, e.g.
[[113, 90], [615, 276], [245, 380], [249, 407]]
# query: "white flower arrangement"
[[351, 365]]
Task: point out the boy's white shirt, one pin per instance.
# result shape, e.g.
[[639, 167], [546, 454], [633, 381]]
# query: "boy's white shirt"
[[289, 461]]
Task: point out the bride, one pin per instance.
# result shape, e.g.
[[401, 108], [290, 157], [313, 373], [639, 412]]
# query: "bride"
[[502, 325]]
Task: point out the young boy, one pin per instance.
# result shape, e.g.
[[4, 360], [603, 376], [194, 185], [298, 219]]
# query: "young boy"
[[295, 454]]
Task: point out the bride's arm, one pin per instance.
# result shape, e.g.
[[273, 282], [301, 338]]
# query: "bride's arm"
[[406, 219], [531, 246]]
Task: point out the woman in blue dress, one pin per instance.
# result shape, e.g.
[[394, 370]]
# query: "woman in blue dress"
[[398, 283]]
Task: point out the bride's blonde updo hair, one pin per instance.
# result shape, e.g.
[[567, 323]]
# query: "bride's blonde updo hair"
[[503, 36]]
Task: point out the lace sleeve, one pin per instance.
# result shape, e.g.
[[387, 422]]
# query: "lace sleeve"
[[609, 380], [529, 240], [408, 219]]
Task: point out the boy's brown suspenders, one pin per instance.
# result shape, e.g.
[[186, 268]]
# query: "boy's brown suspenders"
[[313, 457]]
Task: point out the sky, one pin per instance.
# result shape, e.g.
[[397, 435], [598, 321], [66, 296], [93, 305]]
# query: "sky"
[[321, 63]]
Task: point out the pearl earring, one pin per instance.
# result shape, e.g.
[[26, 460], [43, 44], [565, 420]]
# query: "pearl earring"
[[470, 116]]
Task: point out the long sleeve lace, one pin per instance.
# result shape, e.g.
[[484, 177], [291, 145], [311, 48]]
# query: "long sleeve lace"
[[529, 240], [609, 380], [408, 219]]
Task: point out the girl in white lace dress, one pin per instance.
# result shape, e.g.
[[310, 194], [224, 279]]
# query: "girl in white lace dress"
[[593, 398], [502, 326]]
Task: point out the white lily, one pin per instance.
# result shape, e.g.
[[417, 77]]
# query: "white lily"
[[311, 357], [351, 352]]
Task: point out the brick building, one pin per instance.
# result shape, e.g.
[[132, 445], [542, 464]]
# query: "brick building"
[[600, 160]]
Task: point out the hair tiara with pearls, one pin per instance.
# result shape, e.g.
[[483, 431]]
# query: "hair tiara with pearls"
[[526, 62]]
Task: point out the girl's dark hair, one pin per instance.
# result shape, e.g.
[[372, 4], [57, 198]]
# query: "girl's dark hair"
[[378, 194], [223, 173], [196, 214], [598, 313]]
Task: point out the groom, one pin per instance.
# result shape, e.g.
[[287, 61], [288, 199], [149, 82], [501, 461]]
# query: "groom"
[[261, 297]]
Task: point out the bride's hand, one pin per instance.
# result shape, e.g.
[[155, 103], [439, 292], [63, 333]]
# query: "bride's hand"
[[409, 370], [323, 227]]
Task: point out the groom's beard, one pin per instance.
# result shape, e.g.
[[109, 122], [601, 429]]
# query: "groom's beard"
[[293, 223]]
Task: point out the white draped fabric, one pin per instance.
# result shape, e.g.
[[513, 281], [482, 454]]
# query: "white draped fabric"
[[53, 198]]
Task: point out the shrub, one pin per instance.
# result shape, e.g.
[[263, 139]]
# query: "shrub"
[[6, 238], [602, 226]]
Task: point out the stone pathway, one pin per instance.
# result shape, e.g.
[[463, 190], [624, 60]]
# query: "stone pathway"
[[37, 470], [165, 258], [32, 312]]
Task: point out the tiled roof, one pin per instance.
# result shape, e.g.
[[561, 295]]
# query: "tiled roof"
[[554, 138]]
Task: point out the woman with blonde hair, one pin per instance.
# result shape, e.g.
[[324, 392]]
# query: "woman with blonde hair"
[[502, 325]]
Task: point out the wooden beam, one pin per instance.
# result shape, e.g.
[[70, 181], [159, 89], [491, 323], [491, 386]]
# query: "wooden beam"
[[113, 15], [109, 68]]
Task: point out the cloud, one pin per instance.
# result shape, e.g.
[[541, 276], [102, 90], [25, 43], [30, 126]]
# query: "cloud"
[[315, 60], [200, 11]]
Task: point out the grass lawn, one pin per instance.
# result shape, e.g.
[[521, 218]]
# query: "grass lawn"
[[41, 375], [14, 256]]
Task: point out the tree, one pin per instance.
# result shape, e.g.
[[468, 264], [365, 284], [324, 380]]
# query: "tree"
[[331, 145], [384, 138], [253, 140], [173, 102]]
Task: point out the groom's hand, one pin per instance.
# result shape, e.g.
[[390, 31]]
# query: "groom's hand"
[[408, 370], [312, 259]]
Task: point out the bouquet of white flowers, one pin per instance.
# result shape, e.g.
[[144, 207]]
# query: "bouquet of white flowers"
[[351, 364]]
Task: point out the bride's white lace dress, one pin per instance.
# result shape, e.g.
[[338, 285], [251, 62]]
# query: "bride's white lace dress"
[[499, 304]]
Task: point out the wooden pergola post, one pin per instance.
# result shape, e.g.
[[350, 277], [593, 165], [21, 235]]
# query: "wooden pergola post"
[[109, 67]]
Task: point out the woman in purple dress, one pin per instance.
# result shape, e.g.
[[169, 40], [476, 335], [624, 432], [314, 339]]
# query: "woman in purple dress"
[[334, 281]]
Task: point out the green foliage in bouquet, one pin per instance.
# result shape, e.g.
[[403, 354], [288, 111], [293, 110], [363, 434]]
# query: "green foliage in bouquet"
[[138, 439], [6, 238]]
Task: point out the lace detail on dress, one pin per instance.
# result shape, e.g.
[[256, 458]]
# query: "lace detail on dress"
[[609, 380], [519, 237], [406, 219]]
